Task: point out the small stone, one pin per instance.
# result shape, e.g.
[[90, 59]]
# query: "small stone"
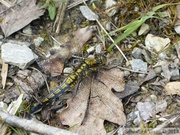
[[177, 29], [136, 9], [172, 88], [153, 98], [158, 69], [146, 109], [126, 73], [175, 74], [156, 43], [110, 9], [67, 71], [161, 106], [18, 55], [27, 30], [91, 49], [99, 48], [1, 43], [141, 75], [137, 53], [37, 41], [138, 65], [144, 29], [1, 37]]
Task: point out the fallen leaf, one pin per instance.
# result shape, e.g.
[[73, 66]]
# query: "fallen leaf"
[[4, 74], [76, 107], [113, 79], [130, 88], [172, 88], [53, 66], [25, 12], [151, 75], [66, 50], [86, 115]]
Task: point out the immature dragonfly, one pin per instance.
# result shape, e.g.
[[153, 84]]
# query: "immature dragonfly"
[[87, 66]]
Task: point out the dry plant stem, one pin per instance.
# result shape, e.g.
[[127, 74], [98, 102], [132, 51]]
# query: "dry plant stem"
[[60, 16], [166, 123], [32, 126], [75, 4], [4, 74], [56, 40], [132, 70], [43, 78], [112, 41], [108, 35], [8, 5]]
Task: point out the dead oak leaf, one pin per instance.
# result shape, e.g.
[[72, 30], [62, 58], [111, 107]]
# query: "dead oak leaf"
[[106, 105], [92, 126], [87, 115], [112, 79], [26, 12], [76, 107]]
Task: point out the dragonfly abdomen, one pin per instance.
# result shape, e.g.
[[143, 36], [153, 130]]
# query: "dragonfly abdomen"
[[69, 82]]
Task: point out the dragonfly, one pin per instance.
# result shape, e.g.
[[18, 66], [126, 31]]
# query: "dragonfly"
[[87, 66]]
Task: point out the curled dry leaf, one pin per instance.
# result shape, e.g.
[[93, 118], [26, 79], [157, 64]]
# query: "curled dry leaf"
[[93, 104], [25, 12], [55, 63], [172, 88]]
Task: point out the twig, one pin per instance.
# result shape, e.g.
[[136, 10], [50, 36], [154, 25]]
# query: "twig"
[[75, 4], [32, 126], [132, 70], [60, 16], [166, 123]]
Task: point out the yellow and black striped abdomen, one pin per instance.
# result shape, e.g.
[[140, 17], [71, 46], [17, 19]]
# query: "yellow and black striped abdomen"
[[68, 83]]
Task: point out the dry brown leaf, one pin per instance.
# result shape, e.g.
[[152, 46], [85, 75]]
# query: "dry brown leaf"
[[4, 74], [92, 126], [53, 66], [75, 112], [25, 12], [113, 79], [65, 51], [172, 88], [103, 105]]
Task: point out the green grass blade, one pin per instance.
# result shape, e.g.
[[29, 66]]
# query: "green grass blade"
[[124, 35], [164, 5]]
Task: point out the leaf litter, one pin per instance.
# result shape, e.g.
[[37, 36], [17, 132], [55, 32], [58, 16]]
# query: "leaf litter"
[[60, 53], [95, 103], [152, 96], [24, 12]]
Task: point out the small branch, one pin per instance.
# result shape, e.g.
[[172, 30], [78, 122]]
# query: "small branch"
[[32, 126], [60, 16]]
